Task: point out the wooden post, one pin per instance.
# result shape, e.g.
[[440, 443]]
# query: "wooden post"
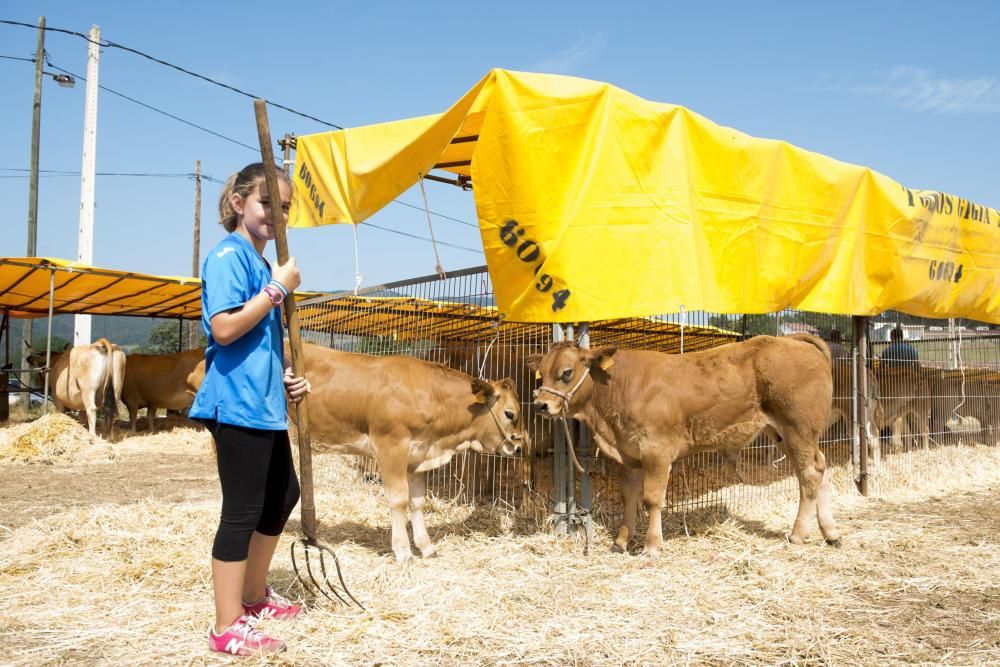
[[196, 249], [308, 508], [24, 400]]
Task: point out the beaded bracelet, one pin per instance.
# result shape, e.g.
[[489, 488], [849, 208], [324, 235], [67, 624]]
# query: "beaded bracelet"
[[279, 286]]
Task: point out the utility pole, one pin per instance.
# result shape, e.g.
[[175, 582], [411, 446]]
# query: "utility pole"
[[88, 172], [36, 124], [196, 248]]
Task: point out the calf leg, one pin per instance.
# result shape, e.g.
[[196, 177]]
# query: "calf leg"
[[654, 489], [151, 418], [418, 487], [897, 434], [397, 493], [815, 492], [874, 444], [631, 484]]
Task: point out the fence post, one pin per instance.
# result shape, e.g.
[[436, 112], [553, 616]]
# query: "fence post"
[[585, 443], [559, 460], [859, 382]]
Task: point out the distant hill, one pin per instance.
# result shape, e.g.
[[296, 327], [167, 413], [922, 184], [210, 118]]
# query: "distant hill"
[[128, 332]]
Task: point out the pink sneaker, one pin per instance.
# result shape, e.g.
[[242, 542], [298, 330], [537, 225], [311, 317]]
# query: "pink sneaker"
[[273, 606], [243, 638]]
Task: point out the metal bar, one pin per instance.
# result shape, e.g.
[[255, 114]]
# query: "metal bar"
[[456, 163], [48, 341], [559, 460], [449, 181], [384, 287], [858, 344]]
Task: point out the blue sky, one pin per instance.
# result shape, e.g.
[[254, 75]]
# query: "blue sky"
[[909, 89]]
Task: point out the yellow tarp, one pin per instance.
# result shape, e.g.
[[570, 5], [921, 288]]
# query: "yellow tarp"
[[596, 204]]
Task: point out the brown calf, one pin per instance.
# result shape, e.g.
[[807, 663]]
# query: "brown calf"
[[411, 416], [162, 381], [906, 403], [647, 409]]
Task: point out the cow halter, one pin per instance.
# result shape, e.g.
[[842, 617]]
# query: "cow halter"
[[567, 397], [511, 438]]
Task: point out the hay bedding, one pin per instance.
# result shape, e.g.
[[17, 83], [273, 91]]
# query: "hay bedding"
[[917, 581]]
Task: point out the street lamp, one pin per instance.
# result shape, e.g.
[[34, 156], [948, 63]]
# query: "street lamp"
[[64, 80]]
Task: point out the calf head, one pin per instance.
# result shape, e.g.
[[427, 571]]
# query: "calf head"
[[502, 431], [36, 359], [565, 377]]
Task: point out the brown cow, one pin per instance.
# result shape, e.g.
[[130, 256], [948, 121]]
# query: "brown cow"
[[502, 359], [906, 400], [974, 397], [80, 376], [113, 390], [162, 381], [841, 411], [647, 409], [411, 416]]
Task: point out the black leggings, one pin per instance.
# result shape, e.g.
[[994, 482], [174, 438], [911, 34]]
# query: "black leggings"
[[259, 487]]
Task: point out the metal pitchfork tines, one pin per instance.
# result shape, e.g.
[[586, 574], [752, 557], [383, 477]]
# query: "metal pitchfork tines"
[[310, 581], [340, 592]]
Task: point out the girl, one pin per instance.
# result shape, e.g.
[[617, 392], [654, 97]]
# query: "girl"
[[242, 403]]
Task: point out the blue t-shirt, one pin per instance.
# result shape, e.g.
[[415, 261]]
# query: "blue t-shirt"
[[243, 380], [900, 354]]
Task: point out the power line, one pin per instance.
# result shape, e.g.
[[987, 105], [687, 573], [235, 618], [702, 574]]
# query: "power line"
[[142, 104], [114, 45], [440, 215], [58, 172], [161, 111], [420, 238], [28, 60], [109, 43]]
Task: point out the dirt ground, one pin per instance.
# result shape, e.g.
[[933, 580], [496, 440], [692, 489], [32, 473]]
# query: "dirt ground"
[[49, 490], [106, 562]]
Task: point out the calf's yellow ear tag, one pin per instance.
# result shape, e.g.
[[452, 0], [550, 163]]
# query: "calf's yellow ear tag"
[[606, 363], [538, 375]]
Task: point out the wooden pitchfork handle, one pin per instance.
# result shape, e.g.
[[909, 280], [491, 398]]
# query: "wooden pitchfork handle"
[[308, 508], [321, 582]]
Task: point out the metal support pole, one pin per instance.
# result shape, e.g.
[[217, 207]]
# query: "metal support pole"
[[48, 341], [559, 461], [859, 344], [4, 376], [584, 452]]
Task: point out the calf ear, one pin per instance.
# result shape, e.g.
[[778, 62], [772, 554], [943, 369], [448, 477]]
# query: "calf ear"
[[534, 361], [508, 383], [482, 390], [601, 358]]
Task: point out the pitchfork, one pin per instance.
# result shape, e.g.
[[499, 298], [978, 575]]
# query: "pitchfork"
[[309, 543]]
